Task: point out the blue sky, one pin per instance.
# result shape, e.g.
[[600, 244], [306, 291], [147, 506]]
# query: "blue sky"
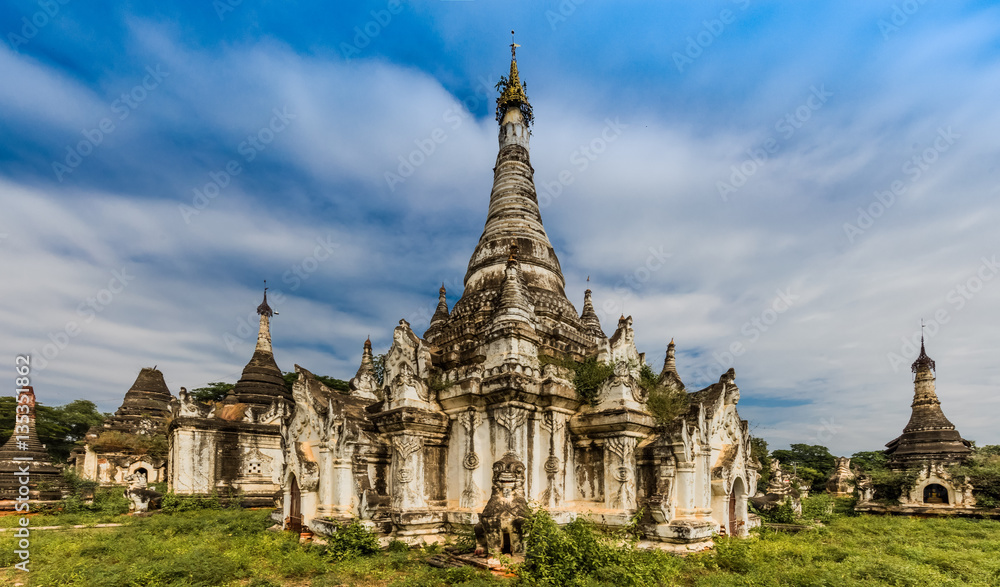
[[783, 187]]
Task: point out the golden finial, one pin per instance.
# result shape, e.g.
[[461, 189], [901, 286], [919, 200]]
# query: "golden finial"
[[512, 91]]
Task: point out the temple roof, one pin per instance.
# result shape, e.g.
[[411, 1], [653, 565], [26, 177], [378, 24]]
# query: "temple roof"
[[261, 382], [147, 399], [514, 223], [928, 435]]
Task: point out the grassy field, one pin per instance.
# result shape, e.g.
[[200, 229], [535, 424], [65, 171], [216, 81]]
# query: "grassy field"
[[232, 547]]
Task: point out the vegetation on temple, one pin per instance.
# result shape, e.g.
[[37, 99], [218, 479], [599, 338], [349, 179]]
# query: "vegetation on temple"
[[154, 445], [982, 470], [665, 402], [588, 375]]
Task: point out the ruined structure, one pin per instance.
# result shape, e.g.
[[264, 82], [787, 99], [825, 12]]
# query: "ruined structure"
[[133, 440], [841, 481], [233, 447], [928, 446], [490, 384], [27, 474]]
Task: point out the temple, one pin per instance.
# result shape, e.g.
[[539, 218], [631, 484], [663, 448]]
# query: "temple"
[[233, 447], [928, 446], [485, 404], [27, 473], [133, 440]]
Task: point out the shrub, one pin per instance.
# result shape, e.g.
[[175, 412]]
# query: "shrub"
[[579, 554], [665, 402], [982, 470], [350, 541], [889, 486], [588, 375], [154, 445]]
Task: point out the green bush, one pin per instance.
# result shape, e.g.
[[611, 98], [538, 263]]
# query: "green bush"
[[350, 541], [982, 470], [579, 554], [889, 485], [588, 375]]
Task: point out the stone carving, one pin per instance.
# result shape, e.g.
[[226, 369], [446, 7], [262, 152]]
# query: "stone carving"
[[500, 525], [470, 420], [512, 419], [623, 447], [139, 494], [552, 496], [404, 493], [256, 464]]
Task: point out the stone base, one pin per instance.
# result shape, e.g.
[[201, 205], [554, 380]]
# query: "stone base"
[[927, 511], [688, 532]]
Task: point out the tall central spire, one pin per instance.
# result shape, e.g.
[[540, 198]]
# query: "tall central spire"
[[514, 217], [534, 287]]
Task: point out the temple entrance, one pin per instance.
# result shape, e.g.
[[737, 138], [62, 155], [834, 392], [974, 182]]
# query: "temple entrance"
[[294, 522], [935, 493], [738, 494], [141, 473]]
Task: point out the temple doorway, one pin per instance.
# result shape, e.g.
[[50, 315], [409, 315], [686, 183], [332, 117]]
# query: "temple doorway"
[[294, 508], [736, 497], [935, 494]]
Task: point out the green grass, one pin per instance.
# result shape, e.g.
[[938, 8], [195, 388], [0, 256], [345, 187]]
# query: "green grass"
[[233, 547]]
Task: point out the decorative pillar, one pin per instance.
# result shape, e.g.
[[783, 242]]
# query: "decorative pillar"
[[407, 473], [471, 494], [619, 478]]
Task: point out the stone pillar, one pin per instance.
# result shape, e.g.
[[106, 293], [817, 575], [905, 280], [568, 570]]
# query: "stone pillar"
[[685, 475], [619, 473], [471, 494], [407, 473]]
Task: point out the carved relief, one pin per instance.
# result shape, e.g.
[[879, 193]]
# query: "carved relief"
[[623, 447], [512, 419], [404, 494], [470, 420], [551, 496], [256, 464]]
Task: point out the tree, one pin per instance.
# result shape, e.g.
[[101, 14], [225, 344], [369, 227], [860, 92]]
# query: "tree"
[[870, 460], [215, 391], [810, 456], [58, 428], [758, 450], [332, 382]]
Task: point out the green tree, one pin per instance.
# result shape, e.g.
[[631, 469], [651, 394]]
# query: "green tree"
[[870, 460], [758, 449], [816, 458], [58, 428], [212, 392], [291, 377]]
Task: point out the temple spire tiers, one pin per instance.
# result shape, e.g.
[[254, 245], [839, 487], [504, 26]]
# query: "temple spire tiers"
[[261, 383], [364, 384], [929, 435], [669, 375], [589, 317], [513, 220], [23, 450]]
